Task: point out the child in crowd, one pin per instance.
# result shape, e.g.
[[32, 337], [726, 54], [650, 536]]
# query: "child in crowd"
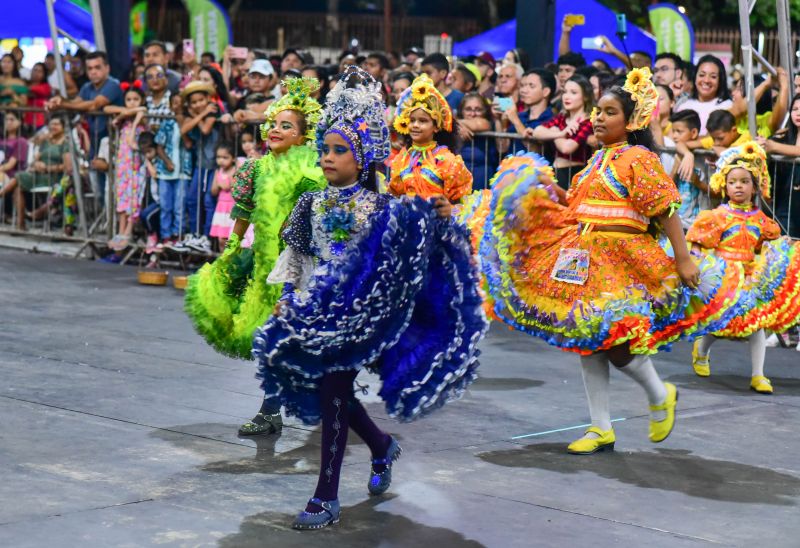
[[570, 129], [149, 174], [222, 223], [247, 140], [662, 127], [127, 163], [741, 233], [693, 190], [479, 153], [427, 167], [174, 169], [202, 129], [437, 67]]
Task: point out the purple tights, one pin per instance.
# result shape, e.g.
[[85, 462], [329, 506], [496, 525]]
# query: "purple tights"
[[340, 411]]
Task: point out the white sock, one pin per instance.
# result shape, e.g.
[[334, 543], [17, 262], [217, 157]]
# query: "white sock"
[[705, 344], [594, 369], [758, 351], [642, 371]]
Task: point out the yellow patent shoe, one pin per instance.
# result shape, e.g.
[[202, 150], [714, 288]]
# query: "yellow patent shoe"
[[587, 446], [660, 430], [701, 366], [761, 384]]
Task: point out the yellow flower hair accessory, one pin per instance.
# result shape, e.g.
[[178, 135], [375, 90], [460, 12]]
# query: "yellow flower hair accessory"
[[298, 98], [593, 115], [749, 156], [640, 85], [423, 95]]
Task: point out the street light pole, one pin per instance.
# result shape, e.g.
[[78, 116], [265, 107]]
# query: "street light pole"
[[387, 25]]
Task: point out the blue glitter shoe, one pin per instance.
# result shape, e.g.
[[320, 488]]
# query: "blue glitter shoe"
[[379, 481], [317, 520]]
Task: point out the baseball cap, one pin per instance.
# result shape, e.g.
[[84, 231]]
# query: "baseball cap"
[[414, 50], [261, 66], [474, 70], [486, 58]]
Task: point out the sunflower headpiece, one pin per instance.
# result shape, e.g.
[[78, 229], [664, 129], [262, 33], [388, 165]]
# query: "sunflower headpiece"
[[749, 156], [423, 95], [640, 85], [298, 98]]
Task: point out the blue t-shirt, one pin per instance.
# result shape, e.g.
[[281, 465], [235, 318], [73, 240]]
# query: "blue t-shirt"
[[454, 100], [205, 147], [524, 117], [98, 125]]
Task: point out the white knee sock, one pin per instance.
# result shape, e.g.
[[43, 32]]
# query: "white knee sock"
[[705, 344], [642, 371], [594, 370], [758, 351]]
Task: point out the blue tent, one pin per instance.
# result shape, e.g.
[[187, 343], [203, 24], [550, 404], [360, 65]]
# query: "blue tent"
[[600, 20], [29, 19]]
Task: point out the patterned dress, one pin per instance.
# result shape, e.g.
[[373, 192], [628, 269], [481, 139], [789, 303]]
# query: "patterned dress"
[[428, 171], [552, 274], [130, 187], [371, 282], [745, 235]]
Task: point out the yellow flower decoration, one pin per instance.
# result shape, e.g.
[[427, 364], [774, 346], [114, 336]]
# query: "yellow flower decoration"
[[593, 115], [420, 92], [643, 92], [636, 78], [401, 124], [424, 95], [749, 156]]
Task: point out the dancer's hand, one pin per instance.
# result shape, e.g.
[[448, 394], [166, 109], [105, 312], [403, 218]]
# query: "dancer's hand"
[[442, 206], [278, 307], [689, 272]]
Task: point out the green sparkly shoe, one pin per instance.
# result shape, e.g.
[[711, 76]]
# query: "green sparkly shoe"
[[262, 424]]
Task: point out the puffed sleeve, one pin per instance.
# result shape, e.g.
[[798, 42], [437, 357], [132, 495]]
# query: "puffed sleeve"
[[651, 191], [243, 190], [770, 230], [456, 177], [706, 230], [297, 233], [396, 185]]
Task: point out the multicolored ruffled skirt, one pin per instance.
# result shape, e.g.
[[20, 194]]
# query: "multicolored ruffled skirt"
[[771, 296], [632, 295], [402, 301]]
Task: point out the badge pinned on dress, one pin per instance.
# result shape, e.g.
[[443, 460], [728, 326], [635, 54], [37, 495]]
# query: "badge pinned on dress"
[[572, 266]]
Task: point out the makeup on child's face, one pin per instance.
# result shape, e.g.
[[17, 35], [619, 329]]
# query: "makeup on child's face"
[[421, 127], [739, 186], [133, 100], [337, 161], [284, 132], [610, 121]]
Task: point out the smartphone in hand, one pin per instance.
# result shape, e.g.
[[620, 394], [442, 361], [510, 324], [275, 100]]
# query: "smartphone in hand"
[[238, 53], [504, 103], [188, 46]]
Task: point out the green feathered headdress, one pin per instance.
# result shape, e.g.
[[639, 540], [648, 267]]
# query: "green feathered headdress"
[[298, 98]]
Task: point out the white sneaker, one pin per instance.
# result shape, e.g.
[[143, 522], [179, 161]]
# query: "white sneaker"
[[183, 246], [200, 244], [772, 341], [798, 347]]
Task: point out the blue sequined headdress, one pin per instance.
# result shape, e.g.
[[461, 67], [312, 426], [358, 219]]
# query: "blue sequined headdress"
[[354, 109]]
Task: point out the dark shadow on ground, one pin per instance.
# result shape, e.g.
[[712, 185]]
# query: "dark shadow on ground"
[[735, 384], [492, 384], [667, 469], [361, 526]]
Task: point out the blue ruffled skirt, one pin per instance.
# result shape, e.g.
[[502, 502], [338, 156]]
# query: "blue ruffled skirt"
[[402, 300]]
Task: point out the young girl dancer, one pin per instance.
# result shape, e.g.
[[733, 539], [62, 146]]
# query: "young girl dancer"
[[370, 282], [229, 298], [426, 166], [741, 233], [588, 277]]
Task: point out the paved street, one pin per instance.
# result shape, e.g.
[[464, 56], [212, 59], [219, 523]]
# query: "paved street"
[[118, 428]]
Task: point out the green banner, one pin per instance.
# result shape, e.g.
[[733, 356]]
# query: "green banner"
[[673, 31], [138, 23], [209, 25]]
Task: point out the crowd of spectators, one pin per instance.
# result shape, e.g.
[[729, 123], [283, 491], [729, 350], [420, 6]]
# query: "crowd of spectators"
[[182, 109]]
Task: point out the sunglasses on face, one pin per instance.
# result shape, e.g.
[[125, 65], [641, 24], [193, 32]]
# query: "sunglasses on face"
[[155, 75]]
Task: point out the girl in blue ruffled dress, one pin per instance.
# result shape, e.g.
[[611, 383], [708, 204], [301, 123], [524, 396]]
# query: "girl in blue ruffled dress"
[[370, 282]]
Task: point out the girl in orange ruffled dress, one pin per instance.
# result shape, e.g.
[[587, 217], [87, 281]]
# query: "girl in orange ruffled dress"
[[586, 275], [741, 233], [427, 168]]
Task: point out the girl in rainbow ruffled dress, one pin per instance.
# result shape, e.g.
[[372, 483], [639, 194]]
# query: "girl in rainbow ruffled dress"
[[741, 233]]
